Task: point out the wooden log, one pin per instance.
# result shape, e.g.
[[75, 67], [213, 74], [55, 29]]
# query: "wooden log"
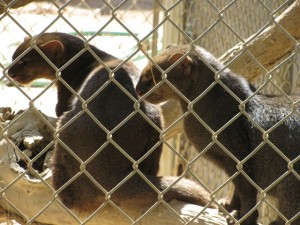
[[270, 47]]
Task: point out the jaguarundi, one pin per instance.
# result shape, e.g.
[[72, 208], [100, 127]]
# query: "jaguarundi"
[[261, 133], [59, 48]]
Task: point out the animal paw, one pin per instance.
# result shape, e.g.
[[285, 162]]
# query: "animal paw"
[[225, 203], [231, 219], [232, 213]]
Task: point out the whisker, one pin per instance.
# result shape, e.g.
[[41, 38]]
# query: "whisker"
[[153, 77]]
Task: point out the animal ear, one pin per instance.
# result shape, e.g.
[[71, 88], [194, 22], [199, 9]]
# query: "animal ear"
[[27, 38], [53, 49], [186, 63]]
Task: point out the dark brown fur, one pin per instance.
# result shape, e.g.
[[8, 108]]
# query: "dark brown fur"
[[59, 48], [195, 73], [109, 166], [83, 136]]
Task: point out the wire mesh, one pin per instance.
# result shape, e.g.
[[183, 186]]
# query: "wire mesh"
[[239, 20], [136, 30]]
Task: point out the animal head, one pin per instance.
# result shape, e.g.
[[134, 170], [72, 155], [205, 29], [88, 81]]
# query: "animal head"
[[153, 79], [32, 65]]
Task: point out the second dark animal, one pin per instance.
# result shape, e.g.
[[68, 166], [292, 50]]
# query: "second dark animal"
[[264, 145]]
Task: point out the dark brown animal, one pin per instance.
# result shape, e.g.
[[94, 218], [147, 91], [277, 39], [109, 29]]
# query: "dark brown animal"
[[104, 144], [59, 48], [260, 141]]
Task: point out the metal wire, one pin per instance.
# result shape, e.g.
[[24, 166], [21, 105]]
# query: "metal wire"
[[219, 26]]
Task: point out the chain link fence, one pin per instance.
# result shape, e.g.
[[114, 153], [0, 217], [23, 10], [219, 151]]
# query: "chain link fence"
[[240, 20], [128, 29]]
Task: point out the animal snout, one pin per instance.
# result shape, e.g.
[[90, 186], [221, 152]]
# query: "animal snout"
[[11, 73]]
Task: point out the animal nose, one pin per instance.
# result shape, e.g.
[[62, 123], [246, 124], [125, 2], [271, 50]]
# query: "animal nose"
[[10, 73], [140, 89]]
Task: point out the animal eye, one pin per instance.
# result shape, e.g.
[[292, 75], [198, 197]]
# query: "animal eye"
[[22, 62], [147, 78]]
